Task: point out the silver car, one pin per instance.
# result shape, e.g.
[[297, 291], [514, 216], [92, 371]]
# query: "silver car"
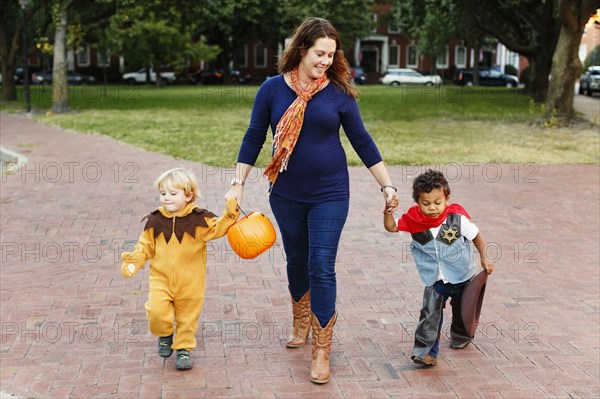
[[407, 76], [589, 82]]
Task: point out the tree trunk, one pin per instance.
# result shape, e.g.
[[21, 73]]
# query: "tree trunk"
[[60, 90], [9, 91], [9, 60], [539, 69], [476, 64], [565, 62], [157, 74]]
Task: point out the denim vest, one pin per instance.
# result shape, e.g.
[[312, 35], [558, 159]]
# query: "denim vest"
[[449, 250]]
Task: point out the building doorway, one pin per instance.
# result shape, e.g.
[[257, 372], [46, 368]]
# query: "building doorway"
[[370, 59]]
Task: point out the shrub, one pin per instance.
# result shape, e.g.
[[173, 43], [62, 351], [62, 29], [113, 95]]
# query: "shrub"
[[511, 70]]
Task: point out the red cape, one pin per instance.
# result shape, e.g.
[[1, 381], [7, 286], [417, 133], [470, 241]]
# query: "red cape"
[[415, 221]]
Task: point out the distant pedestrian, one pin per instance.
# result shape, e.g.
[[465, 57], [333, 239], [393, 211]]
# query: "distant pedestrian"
[[174, 238], [442, 238]]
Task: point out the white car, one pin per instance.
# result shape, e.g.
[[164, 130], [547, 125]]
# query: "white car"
[[407, 76], [140, 77]]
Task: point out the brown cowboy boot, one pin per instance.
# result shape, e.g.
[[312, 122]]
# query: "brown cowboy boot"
[[321, 341], [301, 321]]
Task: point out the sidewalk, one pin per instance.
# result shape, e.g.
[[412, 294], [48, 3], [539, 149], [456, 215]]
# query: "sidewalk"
[[71, 326]]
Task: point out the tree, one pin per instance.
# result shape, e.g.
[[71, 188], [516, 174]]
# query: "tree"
[[151, 43], [432, 23], [229, 24], [533, 28], [158, 34], [60, 90], [82, 13], [566, 65], [95, 22], [353, 19], [11, 43], [527, 27]]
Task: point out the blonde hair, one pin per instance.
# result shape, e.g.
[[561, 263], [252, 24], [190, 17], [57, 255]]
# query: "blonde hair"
[[180, 178]]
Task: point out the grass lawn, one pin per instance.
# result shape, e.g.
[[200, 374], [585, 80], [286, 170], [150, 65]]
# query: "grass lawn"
[[411, 125]]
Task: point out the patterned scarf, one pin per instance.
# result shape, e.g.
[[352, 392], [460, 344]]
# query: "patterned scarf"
[[290, 124]]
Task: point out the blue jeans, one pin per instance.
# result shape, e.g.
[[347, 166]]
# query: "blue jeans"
[[311, 235]]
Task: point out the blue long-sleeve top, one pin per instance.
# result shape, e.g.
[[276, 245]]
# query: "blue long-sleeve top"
[[317, 170]]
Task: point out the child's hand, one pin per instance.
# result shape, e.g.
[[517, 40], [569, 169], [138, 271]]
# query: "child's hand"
[[132, 263], [487, 266], [129, 269], [391, 206], [233, 210]]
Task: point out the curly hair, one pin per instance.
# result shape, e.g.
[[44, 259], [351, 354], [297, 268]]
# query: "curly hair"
[[428, 181], [304, 38]]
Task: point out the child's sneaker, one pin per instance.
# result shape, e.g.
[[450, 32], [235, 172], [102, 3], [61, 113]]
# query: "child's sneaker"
[[164, 346], [184, 361], [428, 361]]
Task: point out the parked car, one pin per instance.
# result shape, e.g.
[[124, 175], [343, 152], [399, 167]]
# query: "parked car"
[[589, 81], [73, 78], [42, 77], [76, 78], [139, 76], [487, 77], [359, 75], [407, 76], [216, 77], [20, 74]]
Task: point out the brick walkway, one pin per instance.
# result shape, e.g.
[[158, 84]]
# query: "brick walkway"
[[71, 326]]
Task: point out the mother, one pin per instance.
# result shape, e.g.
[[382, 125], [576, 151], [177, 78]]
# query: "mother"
[[309, 181]]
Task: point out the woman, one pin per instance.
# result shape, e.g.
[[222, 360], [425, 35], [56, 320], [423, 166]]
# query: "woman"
[[309, 181]]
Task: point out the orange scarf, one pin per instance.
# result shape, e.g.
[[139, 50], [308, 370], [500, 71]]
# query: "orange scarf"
[[290, 124]]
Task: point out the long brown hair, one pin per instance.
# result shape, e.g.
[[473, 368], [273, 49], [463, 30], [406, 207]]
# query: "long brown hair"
[[304, 38]]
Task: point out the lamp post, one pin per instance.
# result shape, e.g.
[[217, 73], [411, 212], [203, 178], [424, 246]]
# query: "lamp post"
[[23, 4]]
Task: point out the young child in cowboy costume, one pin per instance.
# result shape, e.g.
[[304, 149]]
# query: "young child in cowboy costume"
[[442, 247], [174, 238]]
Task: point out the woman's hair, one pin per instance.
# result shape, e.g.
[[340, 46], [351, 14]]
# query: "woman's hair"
[[181, 179], [304, 38], [428, 181]]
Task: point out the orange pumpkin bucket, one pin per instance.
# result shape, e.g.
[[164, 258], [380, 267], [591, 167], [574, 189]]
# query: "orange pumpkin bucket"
[[252, 235]]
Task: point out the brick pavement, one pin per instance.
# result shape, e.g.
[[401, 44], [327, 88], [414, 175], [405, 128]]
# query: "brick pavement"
[[71, 326]]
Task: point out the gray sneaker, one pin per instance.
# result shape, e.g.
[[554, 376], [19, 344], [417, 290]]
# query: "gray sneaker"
[[164, 346], [184, 361]]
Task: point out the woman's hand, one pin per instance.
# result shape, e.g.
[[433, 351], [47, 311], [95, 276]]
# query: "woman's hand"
[[236, 191]]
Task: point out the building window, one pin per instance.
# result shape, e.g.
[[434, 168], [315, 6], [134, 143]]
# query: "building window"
[[441, 60], [240, 58], [83, 56], [393, 26], [375, 18], [394, 55], [412, 56], [260, 56], [460, 56], [513, 59], [103, 58]]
